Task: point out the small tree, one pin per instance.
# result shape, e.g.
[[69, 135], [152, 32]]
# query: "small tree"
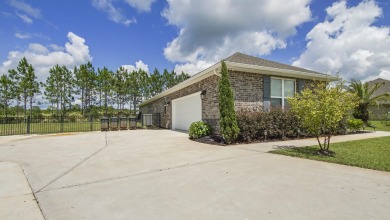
[[365, 94], [321, 108], [5, 92], [227, 122]]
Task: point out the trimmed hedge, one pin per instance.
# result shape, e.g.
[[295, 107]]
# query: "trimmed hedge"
[[278, 123], [275, 124]]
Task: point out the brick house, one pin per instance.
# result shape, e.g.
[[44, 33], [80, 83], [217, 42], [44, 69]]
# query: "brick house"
[[256, 83], [382, 109]]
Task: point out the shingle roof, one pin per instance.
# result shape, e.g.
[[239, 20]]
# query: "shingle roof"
[[385, 88], [246, 59]]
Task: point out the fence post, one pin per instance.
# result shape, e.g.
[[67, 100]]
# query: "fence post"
[[62, 124], [28, 124], [90, 121]]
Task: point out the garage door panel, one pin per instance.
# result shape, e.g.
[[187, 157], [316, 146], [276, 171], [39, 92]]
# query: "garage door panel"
[[186, 110]]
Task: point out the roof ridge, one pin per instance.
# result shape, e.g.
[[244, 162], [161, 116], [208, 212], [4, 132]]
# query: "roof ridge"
[[253, 60]]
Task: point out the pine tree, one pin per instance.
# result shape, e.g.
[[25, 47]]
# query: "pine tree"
[[119, 86], [5, 92], [86, 85], [32, 87], [167, 80], [59, 88], [227, 122], [105, 78], [26, 86], [155, 83], [181, 77]]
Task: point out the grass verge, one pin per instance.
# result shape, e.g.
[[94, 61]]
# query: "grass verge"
[[379, 126], [373, 153]]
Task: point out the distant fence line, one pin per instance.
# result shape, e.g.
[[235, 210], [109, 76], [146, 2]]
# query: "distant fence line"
[[65, 124]]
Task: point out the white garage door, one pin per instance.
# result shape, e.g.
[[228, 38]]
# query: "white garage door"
[[186, 110]]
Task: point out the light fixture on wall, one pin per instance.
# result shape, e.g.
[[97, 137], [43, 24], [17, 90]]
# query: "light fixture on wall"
[[166, 102], [202, 94]]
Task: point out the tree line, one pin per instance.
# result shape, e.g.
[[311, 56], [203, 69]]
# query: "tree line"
[[101, 89]]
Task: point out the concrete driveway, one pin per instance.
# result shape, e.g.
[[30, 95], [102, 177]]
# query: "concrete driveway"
[[160, 174]]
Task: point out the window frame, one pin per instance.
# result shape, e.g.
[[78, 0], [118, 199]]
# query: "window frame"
[[282, 97]]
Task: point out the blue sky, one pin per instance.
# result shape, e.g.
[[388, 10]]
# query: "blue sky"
[[348, 37]]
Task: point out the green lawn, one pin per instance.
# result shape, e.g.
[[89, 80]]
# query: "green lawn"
[[379, 126], [51, 127], [371, 153], [48, 127]]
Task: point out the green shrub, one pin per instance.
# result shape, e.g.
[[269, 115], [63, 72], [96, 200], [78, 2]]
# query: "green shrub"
[[278, 124], [199, 129], [342, 127], [386, 122], [228, 121], [355, 124]]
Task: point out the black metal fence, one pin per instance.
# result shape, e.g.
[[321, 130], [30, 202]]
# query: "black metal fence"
[[65, 124]]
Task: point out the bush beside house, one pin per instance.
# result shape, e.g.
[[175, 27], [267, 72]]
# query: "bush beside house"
[[227, 122], [199, 129], [275, 124]]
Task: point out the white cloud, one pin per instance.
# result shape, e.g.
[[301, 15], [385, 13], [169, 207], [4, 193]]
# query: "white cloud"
[[348, 43], [212, 30], [26, 8], [25, 18], [35, 48], [138, 65], [74, 53], [116, 15], [56, 47], [192, 68], [29, 12], [22, 36], [140, 5], [25, 36]]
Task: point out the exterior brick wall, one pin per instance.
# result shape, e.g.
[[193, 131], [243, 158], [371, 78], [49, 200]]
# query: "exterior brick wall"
[[209, 103], [247, 89]]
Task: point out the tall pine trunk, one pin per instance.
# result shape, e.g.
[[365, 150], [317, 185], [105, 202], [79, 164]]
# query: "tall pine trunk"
[[25, 107], [31, 100]]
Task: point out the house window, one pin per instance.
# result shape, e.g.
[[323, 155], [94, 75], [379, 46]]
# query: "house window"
[[281, 89]]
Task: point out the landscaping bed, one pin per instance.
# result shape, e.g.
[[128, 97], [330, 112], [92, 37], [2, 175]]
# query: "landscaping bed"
[[217, 140]]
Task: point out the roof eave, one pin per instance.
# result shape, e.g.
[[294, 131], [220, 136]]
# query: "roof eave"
[[194, 79], [279, 72], [241, 67]]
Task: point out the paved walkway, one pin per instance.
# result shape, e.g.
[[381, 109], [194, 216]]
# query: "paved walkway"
[[16, 198], [160, 174], [265, 147]]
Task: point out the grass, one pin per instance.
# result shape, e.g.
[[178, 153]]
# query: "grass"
[[371, 153], [51, 127], [379, 126], [48, 127]]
